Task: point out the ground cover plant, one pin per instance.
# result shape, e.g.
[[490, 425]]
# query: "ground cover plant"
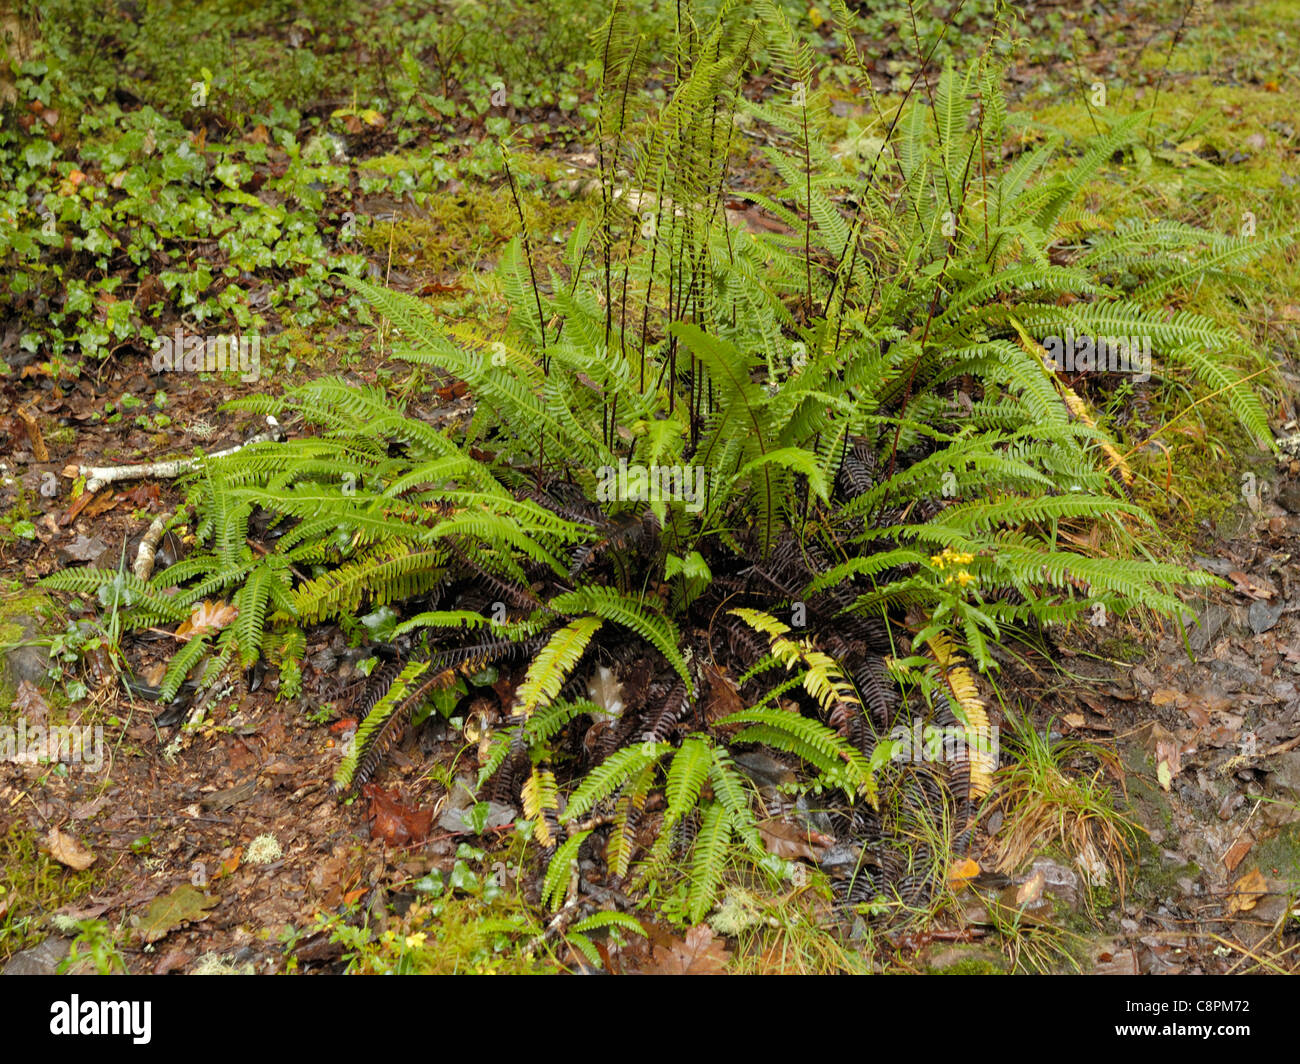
[[711, 545], [753, 485]]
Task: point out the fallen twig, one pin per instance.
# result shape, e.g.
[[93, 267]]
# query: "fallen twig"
[[101, 476], [144, 558]]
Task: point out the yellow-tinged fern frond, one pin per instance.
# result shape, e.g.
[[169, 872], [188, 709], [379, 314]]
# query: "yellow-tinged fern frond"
[[622, 838], [1077, 407], [961, 682], [824, 679], [560, 873], [541, 795]]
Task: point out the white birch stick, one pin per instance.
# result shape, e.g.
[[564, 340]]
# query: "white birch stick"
[[101, 476]]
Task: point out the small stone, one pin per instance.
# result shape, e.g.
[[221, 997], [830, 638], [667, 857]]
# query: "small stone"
[[1261, 616], [42, 959], [1288, 495], [1286, 772]]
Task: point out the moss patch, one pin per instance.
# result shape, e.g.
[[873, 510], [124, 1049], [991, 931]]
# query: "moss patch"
[[33, 884]]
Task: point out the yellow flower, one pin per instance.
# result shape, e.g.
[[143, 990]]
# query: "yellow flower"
[[937, 560], [416, 940], [965, 578]]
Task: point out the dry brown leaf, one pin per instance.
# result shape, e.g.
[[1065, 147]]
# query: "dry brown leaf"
[[397, 824], [1168, 762], [1247, 891], [791, 841], [1237, 852], [30, 703], [206, 617], [230, 865], [68, 851], [101, 503], [700, 953], [1248, 585], [724, 696]]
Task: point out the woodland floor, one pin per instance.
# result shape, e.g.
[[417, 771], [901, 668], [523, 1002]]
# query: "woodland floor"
[[1202, 738]]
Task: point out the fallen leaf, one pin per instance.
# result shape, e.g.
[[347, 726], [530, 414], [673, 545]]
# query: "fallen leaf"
[[87, 809], [173, 960], [724, 696], [230, 864], [1248, 585], [1166, 696], [206, 617], [1168, 762], [73, 511], [700, 953], [790, 841], [101, 503], [962, 872], [82, 549], [30, 703], [68, 851], [1124, 962], [1236, 852], [142, 496], [397, 824], [182, 905], [1247, 891]]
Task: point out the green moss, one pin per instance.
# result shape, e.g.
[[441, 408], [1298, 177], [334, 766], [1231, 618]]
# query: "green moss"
[[1156, 879], [35, 885], [17, 604], [1279, 857], [968, 961], [457, 231], [1124, 648]]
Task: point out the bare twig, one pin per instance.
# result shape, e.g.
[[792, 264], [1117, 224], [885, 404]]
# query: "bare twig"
[[101, 476], [144, 558]]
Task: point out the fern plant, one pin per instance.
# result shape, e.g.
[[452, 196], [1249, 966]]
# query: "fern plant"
[[741, 474]]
